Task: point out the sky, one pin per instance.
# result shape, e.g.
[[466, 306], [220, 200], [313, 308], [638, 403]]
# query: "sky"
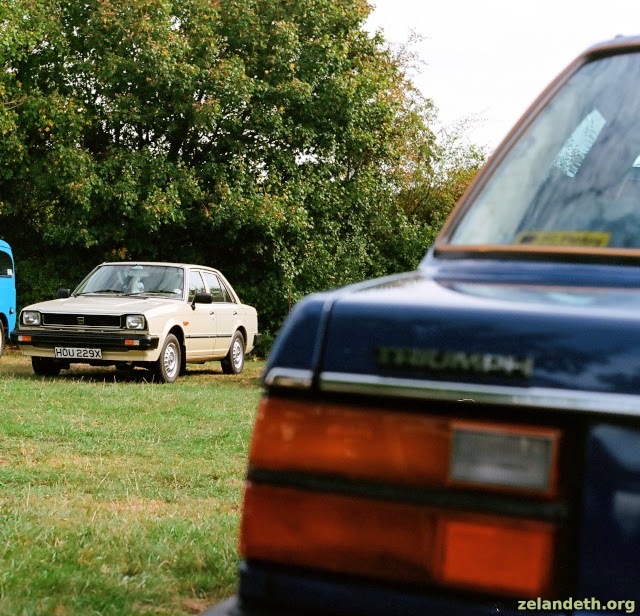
[[489, 59]]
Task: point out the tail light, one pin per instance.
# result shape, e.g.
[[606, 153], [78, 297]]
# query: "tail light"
[[379, 535], [404, 448], [402, 542]]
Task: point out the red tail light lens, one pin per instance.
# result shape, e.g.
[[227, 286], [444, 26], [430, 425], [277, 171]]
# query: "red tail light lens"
[[336, 532]]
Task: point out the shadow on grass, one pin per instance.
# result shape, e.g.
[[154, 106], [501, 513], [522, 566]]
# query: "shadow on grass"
[[14, 364]]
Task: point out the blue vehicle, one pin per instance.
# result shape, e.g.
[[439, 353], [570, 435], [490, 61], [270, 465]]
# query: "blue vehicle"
[[7, 294], [465, 438]]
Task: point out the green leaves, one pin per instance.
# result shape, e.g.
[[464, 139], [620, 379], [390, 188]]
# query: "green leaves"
[[275, 139]]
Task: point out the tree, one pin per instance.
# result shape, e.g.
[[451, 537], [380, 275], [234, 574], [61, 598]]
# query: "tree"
[[275, 139], [432, 184]]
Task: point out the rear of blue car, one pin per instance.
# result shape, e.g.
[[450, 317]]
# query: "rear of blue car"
[[465, 439]]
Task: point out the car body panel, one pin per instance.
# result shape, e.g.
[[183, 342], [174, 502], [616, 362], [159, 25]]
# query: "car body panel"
[[201, 332], [574, 338], [610, 535]]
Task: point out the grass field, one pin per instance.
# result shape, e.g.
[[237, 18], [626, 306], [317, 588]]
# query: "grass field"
[[119, 496]]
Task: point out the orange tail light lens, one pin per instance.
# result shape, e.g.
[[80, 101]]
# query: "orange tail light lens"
[[398, 541], [513, 557], [387, 446]]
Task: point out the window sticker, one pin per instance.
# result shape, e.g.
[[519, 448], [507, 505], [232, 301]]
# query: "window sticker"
[[583, 239], [576, 148]]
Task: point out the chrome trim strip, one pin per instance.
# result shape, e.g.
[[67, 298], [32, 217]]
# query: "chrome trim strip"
[[194, 336], [541, 397], [293, 378]]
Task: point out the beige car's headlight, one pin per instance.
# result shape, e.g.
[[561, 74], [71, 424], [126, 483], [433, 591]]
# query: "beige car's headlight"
[[135, 321], [31, 317]]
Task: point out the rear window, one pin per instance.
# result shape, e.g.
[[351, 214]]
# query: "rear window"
[[573, 178]]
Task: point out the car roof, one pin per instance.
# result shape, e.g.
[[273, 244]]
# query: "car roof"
[[162, 263], [618, 44], [620, 40]]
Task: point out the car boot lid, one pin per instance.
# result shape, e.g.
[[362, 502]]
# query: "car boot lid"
[[515, 343]]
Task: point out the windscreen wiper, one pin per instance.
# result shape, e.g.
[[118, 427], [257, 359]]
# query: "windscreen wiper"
[[115, 291]]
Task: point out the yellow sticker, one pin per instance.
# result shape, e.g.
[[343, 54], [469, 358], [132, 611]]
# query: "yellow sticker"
[[587, 239]]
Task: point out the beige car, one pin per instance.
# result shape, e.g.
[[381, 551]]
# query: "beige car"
[[160, 316]]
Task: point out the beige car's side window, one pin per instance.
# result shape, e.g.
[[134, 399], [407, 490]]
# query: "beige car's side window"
[[217, 290], [196, 284], [225, 292]]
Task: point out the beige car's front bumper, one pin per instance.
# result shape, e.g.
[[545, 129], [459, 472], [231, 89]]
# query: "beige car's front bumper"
[[115, 346]]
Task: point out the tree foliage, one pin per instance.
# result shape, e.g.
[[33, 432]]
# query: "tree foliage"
[[275, 139]]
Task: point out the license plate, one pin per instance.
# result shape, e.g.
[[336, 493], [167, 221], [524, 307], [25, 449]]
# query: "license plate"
[[77, 353]]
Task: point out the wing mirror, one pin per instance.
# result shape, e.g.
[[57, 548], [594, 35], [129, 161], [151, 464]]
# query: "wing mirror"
[[63, 293], [201, 298]]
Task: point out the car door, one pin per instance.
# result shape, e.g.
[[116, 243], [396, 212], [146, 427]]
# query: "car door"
[[7, 291], [226, 312], [200, 333]]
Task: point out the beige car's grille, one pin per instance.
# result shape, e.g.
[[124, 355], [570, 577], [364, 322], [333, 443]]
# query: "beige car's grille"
[[82, 320]]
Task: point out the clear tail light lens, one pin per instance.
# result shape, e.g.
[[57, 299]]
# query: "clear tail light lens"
[[520, 457]]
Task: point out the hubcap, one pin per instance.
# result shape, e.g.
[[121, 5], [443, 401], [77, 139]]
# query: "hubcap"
[[237, 354], [171, 359]]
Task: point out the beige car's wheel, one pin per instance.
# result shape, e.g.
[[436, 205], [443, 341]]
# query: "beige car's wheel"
[[233, 363], [167, 366], [45, 366]]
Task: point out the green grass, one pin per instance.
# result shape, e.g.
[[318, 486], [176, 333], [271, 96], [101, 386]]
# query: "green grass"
[[119, 496]]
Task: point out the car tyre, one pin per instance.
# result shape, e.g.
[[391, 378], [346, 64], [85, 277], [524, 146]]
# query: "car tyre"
[[124, 369], [167, 366], [183, 363], [45, 366], [2, 339], [233, 363]]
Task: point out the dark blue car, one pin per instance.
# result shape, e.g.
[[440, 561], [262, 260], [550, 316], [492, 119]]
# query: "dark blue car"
[[465, 438], [7, 294]]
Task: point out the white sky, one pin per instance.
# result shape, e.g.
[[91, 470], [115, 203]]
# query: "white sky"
[[491, 58]]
